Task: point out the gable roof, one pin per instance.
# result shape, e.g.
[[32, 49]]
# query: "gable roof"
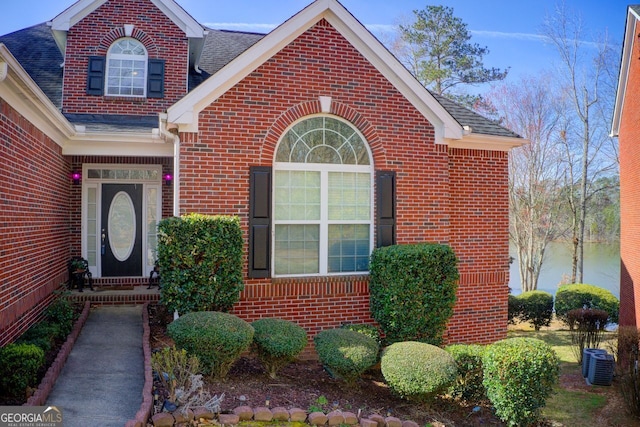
[[61, 24], [184, 113], [228, 56], [633, 16]]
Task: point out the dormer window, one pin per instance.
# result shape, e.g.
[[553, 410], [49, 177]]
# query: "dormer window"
[[126, 71], [127, 68]]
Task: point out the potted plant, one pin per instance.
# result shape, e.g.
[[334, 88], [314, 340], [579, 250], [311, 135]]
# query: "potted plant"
[[78, 265]]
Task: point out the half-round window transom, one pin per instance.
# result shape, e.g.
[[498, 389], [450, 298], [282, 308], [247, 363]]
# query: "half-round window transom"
[[323, 140]]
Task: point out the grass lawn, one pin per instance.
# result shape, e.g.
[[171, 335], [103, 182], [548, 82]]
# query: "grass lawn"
[[575, 403]]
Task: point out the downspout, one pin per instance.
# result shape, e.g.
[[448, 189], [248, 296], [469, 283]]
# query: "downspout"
[[173, 136]]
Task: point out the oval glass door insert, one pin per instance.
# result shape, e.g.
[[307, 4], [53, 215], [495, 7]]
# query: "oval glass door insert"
[[122, 226]]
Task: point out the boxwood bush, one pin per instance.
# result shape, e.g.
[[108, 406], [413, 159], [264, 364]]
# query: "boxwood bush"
[[417, 371], [277, 343], [468, 384], [346, 354], [19, 365], [217, 339], [43, 334], [61, 313], [519, 375], [413, 291], [364, 328], [536, 307], [200, 260], [570, 297]]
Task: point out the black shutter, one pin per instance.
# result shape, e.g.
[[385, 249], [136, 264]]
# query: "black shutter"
[[95, 75], [155, 78], [386, 213], [260, 222]]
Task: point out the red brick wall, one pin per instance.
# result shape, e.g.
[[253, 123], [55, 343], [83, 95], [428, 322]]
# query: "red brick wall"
[[93, 36], [629, 143], [480, 239], [34, 222], [242, 128]]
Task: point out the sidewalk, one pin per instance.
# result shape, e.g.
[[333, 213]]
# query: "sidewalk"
[[102, 380]]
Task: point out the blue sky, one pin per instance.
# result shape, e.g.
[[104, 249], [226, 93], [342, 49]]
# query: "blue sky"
[[509, 28]]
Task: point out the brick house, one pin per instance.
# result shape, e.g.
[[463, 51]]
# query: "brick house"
[[626, 126], [120, 112]]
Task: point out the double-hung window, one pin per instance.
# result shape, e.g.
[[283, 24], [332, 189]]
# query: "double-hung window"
[[323, 199], [127, 68]]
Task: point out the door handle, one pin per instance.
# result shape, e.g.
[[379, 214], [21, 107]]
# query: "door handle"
[[103, 245]]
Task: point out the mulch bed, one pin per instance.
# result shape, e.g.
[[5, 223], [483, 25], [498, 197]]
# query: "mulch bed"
[[305, 383]]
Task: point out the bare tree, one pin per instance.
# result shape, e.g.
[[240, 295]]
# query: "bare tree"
[[528, 108], [583, 70]]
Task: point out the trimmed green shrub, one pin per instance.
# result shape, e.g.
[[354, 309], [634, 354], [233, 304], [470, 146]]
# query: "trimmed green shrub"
[[468, 384], [536, 307], [19, 365], [43, 334], [62, 313], [417, 371], [413, 291], [514, 309], [216, 339], [277, 343], [519, 375], [346, 354], [570, 297], [200, 260], [364, 328]]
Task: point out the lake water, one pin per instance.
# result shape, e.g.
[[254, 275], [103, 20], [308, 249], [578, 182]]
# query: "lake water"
[[601, 267]]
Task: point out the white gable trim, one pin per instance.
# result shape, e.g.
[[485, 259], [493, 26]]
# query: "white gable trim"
[[24, 95], [627, 49], [184, 113], [81, 9]]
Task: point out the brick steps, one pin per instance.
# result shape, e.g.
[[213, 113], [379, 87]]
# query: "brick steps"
[[117, 295]]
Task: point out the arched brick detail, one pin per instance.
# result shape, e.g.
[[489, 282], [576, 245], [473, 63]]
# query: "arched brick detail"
[[313, 107], [118, 33]]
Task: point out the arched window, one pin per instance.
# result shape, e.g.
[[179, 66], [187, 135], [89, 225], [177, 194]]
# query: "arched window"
[[127, 68], [323, 199]]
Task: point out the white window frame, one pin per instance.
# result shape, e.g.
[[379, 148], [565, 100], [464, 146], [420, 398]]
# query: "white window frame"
[[127, 57], [324, 222]]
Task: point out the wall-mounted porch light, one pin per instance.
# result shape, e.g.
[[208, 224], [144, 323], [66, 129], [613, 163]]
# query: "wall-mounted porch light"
[[75, 177], [168, 178]]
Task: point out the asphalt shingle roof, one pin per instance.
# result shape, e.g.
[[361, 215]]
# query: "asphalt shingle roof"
[[36, 50]]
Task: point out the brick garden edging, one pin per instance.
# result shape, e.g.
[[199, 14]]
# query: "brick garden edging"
[[264, 414], [42, 393], [144, 412]]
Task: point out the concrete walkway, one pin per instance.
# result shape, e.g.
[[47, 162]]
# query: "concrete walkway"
[[102, 380]]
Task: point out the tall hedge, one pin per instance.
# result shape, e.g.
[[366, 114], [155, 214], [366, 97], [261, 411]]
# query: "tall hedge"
[[413, 291], [200, 260], [570, 297]]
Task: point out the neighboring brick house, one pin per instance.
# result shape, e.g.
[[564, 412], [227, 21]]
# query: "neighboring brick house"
[[120, 112], [626, 126]]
